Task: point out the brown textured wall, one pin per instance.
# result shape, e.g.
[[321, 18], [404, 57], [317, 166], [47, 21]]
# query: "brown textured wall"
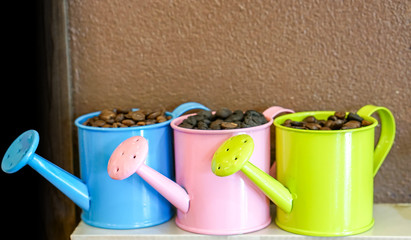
[[305, 55]]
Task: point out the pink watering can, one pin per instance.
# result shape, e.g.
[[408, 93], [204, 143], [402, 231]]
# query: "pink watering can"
[[206, 203]]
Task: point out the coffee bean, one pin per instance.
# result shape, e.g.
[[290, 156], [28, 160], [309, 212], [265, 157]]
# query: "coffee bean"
[[186, 125], [287, 123], [128, 122], [354, 116], [98, 123], [351, 124], [340, 115], [153, 115], [216, 125], [237, 115], [205, 114], [191, 120], [328, 123], [325, 128], [332, 117], [141, 123], [337, 124], [312, 126], [297, 124], [321, 122], [228, 125], [119, 117], [310, 119], [223, 113], [123, 110], [365, 123], [202, 125], [137, 116], [106, 115], [161, 119]]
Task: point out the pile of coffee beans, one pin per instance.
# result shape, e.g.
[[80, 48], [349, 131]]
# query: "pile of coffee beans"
[[338, 121], [222, 119], [119, 118]]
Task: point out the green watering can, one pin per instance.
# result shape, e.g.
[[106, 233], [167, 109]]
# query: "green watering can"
[[324, 184]]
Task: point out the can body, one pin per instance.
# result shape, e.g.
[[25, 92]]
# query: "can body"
[[330, 174], [219, 206], [131, 203]]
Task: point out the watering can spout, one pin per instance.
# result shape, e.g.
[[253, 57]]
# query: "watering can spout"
[[128, 158], [22, 152], [233, 156]]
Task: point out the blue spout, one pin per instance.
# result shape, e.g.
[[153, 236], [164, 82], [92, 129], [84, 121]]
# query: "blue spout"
[[22, 152]]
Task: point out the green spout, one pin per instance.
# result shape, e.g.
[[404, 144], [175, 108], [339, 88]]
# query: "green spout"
[[233, 155]]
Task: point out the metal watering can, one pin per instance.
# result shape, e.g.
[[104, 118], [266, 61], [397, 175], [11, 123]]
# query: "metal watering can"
[[324, 183], [106, 203], [206, 204]]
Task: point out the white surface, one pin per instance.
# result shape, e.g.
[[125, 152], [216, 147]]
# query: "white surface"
[[392, 221]]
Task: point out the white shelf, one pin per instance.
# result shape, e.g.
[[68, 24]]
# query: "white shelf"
[[392, 221]]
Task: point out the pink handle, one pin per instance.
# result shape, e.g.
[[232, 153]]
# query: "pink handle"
[[271, 113], [170, 190]]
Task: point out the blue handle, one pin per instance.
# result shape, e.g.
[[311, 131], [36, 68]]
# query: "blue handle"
[[178, 111]]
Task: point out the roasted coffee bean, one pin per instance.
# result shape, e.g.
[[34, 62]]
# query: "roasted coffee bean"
[[287, 123], [229, 125], [365, 123], [312, 126], [137, 116], [98, 123], [332, 117], [340, 115], [310, 119], [141, 123], [150, 121], [297, 124], [161, 119], [337, 124], [325, 128], [354, 116], [186, 125], [351, 124], [154, 115], [191, 120], [202, 125], [119, 117], [106, 115], [205, 114], [328, 123], [128, 122], [321, 122], [237, 115], [216, 125], [123, 110], [223, 113], [299, 127]]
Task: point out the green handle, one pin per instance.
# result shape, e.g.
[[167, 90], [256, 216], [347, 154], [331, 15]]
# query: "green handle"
[[272, 188], [387, 134]]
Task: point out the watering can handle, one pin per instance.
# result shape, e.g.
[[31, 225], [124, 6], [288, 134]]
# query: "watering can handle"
[[271, 113], [178, 111], [387, 134]]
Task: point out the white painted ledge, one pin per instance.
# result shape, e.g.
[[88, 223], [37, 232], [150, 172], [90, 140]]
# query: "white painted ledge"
[[392, 221]]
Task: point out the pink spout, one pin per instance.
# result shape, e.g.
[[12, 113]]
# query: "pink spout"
[[128, 158], [170, 190]]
